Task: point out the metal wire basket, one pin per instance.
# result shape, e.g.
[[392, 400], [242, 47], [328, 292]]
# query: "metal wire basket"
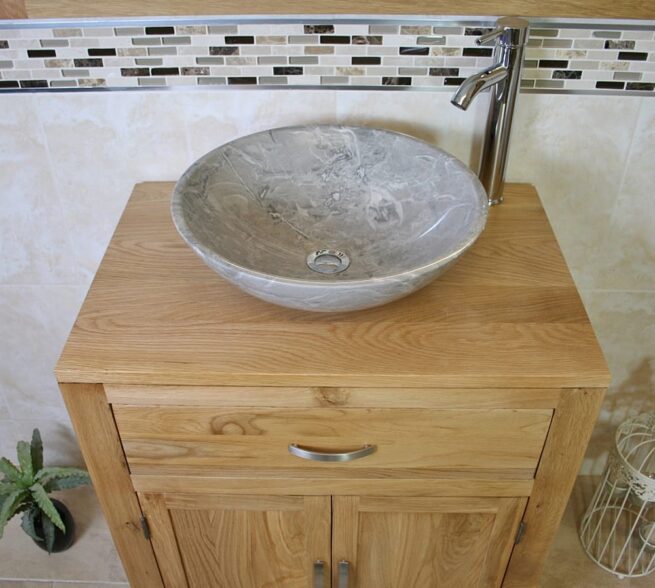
[[618, 529]]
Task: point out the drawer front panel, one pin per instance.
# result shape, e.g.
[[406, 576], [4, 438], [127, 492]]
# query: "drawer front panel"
[[407, 441]]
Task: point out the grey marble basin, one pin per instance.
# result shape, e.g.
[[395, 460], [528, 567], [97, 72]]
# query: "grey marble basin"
[[329, 218]]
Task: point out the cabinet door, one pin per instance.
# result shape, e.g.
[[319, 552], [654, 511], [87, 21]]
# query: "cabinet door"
[[217, 541], [394, 542]]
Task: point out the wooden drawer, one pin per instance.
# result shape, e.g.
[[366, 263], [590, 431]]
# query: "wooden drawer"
[[408, 442]]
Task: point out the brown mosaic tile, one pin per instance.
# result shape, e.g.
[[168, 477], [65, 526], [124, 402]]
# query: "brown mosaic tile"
[[367, 40], [195, 71], [224, 51], [558, 58], [135, 71]]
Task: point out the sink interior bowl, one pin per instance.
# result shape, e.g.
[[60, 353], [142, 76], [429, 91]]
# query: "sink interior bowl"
[[327, 217]]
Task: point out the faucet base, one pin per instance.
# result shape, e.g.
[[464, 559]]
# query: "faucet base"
[[494, 201]]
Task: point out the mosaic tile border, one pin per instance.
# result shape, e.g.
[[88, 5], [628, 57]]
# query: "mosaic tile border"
[[316, 53]]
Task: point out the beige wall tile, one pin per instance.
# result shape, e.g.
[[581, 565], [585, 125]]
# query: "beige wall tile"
[[627, 260], [574, 149], [214, 118], [34, 245], [101, 144], [34, 324], [426, 115]]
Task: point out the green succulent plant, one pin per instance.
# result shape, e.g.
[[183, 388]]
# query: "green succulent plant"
[[25, 488]]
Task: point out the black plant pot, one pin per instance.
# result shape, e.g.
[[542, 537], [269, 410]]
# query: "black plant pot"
[[62, 540]]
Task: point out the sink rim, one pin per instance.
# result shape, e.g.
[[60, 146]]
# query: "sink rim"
[[320, 279]]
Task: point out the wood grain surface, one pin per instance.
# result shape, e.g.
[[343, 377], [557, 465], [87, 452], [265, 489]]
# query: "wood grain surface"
[[507, 315], [421, 542], [163, 539], [10, 9], [553, 8], [282, 484], [413, 439], [245, 541], [103, 455], [569, 434], [327, 397]]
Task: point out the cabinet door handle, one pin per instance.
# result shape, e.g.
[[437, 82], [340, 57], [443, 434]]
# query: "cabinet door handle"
[[319, 573], [344, 572], [304, 453]]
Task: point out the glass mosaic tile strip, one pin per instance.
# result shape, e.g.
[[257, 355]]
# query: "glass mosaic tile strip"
[[294, 54]]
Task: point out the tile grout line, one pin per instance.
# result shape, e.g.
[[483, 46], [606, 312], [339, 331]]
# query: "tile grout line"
[[416, 57], [51, 173], [624, 174]]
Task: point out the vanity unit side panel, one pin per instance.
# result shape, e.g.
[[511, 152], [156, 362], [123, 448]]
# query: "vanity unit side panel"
[[100, 443], [569, 434]]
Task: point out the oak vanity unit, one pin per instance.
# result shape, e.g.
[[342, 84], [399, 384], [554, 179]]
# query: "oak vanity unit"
[[467, 408]]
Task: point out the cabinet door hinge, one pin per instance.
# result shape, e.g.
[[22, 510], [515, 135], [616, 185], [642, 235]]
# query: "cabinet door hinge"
[[520, 533], [145, 527]]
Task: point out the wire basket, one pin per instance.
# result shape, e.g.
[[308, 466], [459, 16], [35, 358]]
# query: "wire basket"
[[618, 529]]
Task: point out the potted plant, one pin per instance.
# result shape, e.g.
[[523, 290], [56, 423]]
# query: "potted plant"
[[25, 488]]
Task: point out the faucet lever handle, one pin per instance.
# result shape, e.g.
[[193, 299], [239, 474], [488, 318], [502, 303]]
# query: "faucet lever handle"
[[490, 36], [511, 30]]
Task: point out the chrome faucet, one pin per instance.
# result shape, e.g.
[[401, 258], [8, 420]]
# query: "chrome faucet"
[[511, 35]]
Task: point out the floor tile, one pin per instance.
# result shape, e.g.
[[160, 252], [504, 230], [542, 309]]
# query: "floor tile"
[[92, 558], [24, 584], [568, 566], [90, 585]]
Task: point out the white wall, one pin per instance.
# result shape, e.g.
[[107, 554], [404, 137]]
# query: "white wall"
[[68, 163]]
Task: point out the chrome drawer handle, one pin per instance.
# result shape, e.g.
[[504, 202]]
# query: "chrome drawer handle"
[[319, 574], [344, 572], [298, 451]]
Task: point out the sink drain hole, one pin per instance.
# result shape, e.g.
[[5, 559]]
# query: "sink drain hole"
[[328, 261]]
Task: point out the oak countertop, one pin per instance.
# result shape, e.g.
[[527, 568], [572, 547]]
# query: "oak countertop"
[[554, 8], [507, 315]]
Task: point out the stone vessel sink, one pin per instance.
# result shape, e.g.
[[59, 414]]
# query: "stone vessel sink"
[[329, 218]]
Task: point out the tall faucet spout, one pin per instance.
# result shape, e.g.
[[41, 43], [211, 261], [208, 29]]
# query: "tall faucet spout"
[[503, 79], [478, 82]]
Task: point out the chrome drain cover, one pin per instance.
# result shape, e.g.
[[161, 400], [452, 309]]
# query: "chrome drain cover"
[[328, 261]]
